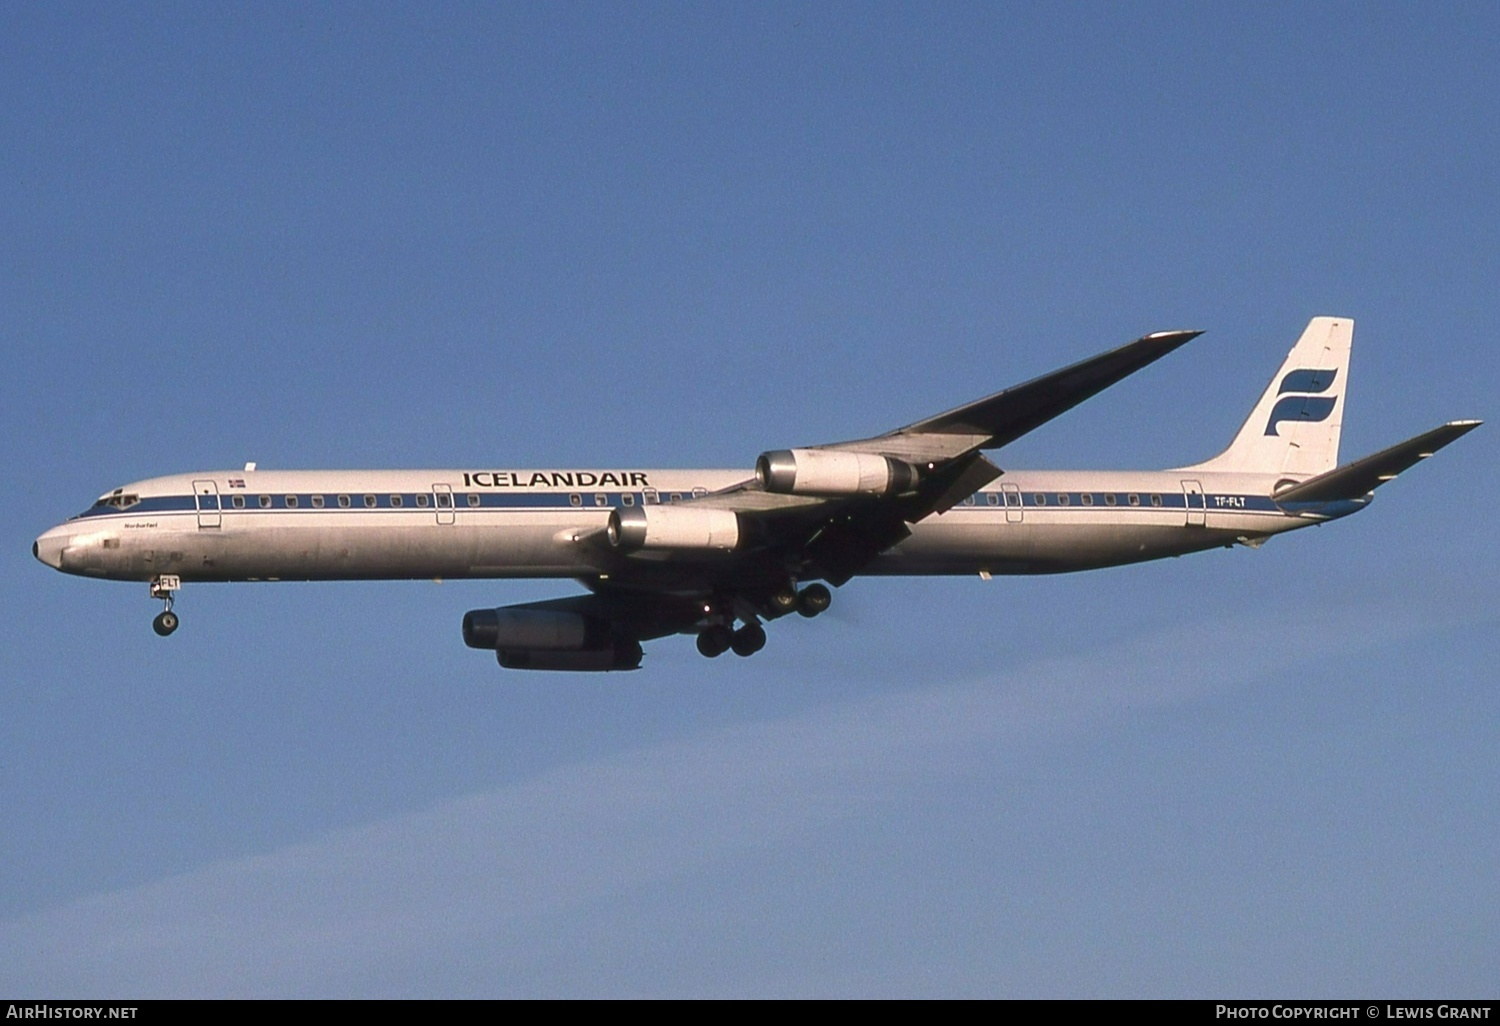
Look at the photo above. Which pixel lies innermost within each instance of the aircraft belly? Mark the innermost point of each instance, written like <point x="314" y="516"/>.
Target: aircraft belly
<point x="1039" y="548"/>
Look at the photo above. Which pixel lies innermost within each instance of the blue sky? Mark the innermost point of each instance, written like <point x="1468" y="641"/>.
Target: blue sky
<point x="677" y="235"/>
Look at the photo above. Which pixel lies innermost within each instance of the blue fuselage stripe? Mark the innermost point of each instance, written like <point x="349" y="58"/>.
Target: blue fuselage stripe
<point x="1030" y="501"/>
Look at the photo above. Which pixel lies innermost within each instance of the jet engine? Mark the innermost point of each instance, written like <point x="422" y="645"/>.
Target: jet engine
<point x="620" y="655"/>
<point x="550" y="639"/>
<point x="673" y="527"/>
<point x="826" y="472"/>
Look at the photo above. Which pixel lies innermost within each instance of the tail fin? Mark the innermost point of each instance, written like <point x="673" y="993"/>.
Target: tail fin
<point x="1294" y="429"/>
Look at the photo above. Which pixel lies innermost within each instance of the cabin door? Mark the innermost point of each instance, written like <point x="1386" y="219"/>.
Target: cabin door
<point x="206" y="496"/>
<point x="1012" y="495"/>
<point x="442" y="501"/>
<point x="1197" y="508"/>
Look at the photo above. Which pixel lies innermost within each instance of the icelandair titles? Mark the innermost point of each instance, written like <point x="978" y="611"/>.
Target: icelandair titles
<point x="555" y="479"/>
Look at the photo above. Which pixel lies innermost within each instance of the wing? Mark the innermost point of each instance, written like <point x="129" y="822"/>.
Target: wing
<point x="826" y="511"/>
<point x="999" y="419"/>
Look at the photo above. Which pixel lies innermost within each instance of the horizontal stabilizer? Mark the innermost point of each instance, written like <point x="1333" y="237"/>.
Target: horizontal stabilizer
<point x="1357" y="479"/>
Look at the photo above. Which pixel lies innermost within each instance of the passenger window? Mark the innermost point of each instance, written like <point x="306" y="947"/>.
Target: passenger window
<point x="1064" y="498"/>
<point x="1133" y="499"/>
<point x="444" y="500"/>
<point x="993" y="498"/>
<point x="1156" y="500"/>
<point x="395" y="502"/>
<point x="317" y="501"/>
<point x="699" y="493"/>
<point x="1039" y="499"/>
<point x="265" y="502"/>
<point x="291" y="502"/>
<point x="370" y="501"/>
<point x="1109" y="498"/>
<point x="628" y="498"/>
<point x="601" y="499"/>
<point x="575" y="499"/>
<point x="649" y="497"/>
<point x="473" y="498"/>
<point x="422" y="500"/>
<point x="239" y="502"/>
<point x="1086" y="499"/>
<point x="676" y="497"/>
<point x="344" y="501"/>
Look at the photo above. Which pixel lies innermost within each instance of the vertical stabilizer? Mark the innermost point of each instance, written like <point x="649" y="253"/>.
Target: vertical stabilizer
<point x="1294" y="429"/>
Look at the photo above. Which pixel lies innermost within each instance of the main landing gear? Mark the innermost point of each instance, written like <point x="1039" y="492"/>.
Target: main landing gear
<point x="718" y="638"/>
<point x="813" y="599"/>
<point x="715" y="640"/>
<point x="165" y="588"/>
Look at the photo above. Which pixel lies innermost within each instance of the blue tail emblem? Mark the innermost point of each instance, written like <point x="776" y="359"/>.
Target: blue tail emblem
<point x="1309" y="405"/>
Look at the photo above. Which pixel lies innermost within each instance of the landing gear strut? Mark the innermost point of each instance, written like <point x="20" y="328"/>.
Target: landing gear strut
<point x="165" y="588"/>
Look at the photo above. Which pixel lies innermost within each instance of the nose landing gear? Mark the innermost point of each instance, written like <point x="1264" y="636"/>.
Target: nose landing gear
<point x="165" y="588"/>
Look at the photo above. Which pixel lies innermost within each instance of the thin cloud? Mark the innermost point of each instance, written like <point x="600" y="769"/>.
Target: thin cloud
<point x="476" y="870"/>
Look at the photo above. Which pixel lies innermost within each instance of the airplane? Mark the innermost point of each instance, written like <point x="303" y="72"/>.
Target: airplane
<point x="719" y="553"/>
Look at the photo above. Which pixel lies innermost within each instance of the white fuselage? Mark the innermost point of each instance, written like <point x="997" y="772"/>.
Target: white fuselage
<point x="408" y="524"/>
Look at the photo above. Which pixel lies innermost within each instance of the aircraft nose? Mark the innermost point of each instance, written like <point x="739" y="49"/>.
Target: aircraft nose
<point x="49" y="548"/>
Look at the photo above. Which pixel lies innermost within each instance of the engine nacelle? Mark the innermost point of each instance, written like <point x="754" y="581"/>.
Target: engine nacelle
<point x="826" y="472"/>
<point x="619" y="655"/>
<point x="520" y="628"/>
<point x="550" y="639"/>
<point x="673" y="527"/>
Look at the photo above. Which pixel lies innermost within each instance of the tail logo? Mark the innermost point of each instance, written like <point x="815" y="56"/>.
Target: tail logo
<point x="1305" y="401"/>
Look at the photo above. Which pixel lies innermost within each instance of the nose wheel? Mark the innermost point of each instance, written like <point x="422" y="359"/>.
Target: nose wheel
<point x="165" y="588"/>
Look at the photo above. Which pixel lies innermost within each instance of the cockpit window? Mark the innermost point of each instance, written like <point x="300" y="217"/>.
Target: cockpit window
<point x="117" y="499"/>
